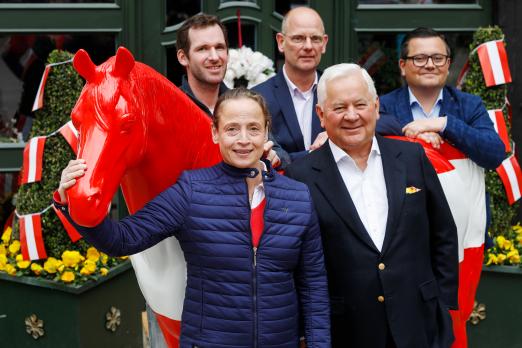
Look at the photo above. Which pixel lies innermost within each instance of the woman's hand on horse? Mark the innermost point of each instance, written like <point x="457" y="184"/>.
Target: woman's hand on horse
<point x="270" y="154"/>
<point x="74" y="169"/>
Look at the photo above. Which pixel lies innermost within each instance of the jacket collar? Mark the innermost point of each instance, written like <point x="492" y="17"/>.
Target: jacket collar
<point x="185" y="87"/>
<point x="268" y="175"/>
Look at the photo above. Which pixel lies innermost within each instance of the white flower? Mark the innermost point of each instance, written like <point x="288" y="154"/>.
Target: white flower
<point x="245" y="63"/>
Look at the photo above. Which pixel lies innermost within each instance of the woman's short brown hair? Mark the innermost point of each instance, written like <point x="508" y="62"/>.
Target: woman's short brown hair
<point x="240" y="93"/>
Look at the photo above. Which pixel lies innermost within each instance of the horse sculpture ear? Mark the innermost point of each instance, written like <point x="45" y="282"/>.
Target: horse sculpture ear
<point x="124" y="63"/>
<point x="84" y="65"/>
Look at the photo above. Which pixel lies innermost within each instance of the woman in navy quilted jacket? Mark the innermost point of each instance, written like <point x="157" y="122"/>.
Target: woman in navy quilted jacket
<point x="250" y="238"/>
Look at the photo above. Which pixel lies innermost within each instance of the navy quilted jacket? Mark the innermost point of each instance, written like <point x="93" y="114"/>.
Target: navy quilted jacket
<point x="229" y="302"/>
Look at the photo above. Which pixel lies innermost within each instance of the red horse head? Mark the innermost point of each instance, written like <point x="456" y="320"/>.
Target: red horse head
<point x="136" y="128"/>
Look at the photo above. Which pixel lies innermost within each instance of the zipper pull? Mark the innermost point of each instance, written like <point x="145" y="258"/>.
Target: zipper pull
<point x="255" y="256"/>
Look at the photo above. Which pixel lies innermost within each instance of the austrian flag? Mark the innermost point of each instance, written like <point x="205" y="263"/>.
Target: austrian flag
<point x="69" y="132"/>
<point x="33" y="160"/>
<point x="39" y="100"/>
<point x="31" y="239"/>
<point x="511" y="176"/>
<point x="494" y="63"/>
<point x="497" y="117"/>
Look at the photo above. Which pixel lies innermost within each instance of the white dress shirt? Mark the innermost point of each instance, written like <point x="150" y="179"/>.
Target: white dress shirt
<point x="367" y="189"/>
<point x="303" y="106"/>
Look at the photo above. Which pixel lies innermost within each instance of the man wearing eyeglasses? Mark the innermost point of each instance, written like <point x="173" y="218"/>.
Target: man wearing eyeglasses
<point x="291" y="95"/>
<point x="427" y="109"/>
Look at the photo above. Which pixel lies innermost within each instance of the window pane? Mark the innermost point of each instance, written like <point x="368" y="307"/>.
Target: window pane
<point x="248" y="34"/>
<point x="416" y="2"/>
<point x="379" y="54"/>
<point x="179" y="10"/>
<point x="22" y="62"/>
<point x="175" y="71"/>
<point x="284" y="6"/>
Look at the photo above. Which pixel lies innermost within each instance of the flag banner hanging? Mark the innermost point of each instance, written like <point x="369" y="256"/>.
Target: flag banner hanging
<point x="33" y="160"/>
<point x="462" y="75"/>
<point x="511" y="176"/>
<point x="39" y="100"/>
<point x="31" y="239"/>
<point x="497" y="117"/>
<point x="493" y="60"/>
<point x="69" y="228"/>
<point x="372" y="60"/>
<point x="69" y="132"/>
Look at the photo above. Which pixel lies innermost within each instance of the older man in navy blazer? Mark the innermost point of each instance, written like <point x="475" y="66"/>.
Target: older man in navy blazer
<point x="389" y="238"/>
<point x="291" y="94"/>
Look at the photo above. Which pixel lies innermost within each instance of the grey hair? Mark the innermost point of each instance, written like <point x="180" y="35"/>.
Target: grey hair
<point x="342" y="70"/>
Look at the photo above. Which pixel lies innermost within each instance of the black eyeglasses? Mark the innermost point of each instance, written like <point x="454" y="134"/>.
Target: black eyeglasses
<point x="301" y="39"/>
<point x="420" y="60"/>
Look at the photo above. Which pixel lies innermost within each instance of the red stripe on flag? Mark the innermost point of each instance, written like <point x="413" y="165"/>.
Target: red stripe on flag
<point x="504" y="61"/>
<point x="171" y="330"/>
<point x="485" y="63"/>
<point x="31" y="239"/>
<point x="69" y="228"/>
<point x="23" y="239"/>
<point x="33" y="160"/>
<point x="68" y="131"/>
<point x="511" y="176"/>
<point x="497" y="117"/>
<point x="39" y="100"/>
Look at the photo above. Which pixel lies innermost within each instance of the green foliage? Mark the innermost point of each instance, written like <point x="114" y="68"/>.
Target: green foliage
<point x="502" y="214"/>
<point x="61" y="92"/>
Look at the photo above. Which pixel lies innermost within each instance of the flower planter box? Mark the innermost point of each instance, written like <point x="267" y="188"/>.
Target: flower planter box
<point x="71" y="316"/>
<point x="499" y="290"/>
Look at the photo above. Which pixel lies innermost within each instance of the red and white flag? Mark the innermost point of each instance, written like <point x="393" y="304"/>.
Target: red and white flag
<point x="462" y="75"/>
<point x="31" y="239"/>
<point x="511" y="176"/>
<point x="494" y="62"/>
<point x="497" y="117"/>
<point x="33" y="160"/>
<point x="373" y="59"/>
<point x="69" y="132"/>
<point x="74" y="235"/>
<point x="39" y="100"/>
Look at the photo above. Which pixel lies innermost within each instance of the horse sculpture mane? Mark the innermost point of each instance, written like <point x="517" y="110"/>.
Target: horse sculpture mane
<point x="139" y="130"/>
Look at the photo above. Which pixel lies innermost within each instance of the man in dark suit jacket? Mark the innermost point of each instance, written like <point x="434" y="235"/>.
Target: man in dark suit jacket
<point x="389" y="238"/>
<point x="291" y="95"/>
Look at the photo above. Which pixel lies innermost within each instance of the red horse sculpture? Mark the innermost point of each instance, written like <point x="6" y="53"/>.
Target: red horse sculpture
<point x="139" y="131"/>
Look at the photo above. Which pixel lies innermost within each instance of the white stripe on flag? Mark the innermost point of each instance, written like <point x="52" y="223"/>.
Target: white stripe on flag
<point x="493" y="117"/>
<point x="29" y="237"/>
<point x="72" y="128"/>
<point x="512" y="179"/>
<point x="496" y="65"/>
<point x="33" y="150"/>
<point x="373" y="59"/>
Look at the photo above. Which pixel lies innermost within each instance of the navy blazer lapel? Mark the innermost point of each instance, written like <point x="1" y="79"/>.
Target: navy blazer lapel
<point x="330" y="183"/>
<point x="449" y="103"/>
<point x="316" y="123"/>
<point x="282" y="94"/>
<point x="395" y="179"/>
<point x="403" y="108"/>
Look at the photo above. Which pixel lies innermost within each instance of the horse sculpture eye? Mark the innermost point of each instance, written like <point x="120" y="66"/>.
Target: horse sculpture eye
<point x="127" y="122"/>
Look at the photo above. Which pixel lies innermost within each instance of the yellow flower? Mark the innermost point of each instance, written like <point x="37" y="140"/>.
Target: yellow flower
<point x="67" y="277"/>
<point x="6" y="236"/>
<point x="517" y="228"/>
<point x="104" y="271"/>
<point x="10" y="269"/>
<point x="89" y="267"/>
<point x="104" y="258"/>
<point x="124" y="257"/>
<point x="501" y="258"/>
<point x="21" y="263"/>
<point x="500" y="241"/>
<point x="14" y="248"/>
<point x="519" y="238"/>
<point x="71" y="258"/>
<point x="507" y="244"/>
<point x="51" y="265"/>
<point x="36" y="268"/>
<point x="515" y="259"/>
<point x="3" y="262"/>
<point x="3" y="250"/>
<point x="93" y="254"/>
<point x="492" y="259"/>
